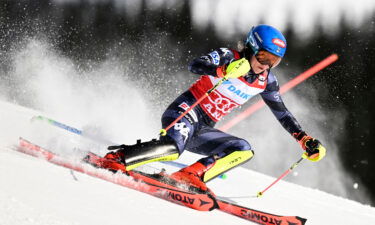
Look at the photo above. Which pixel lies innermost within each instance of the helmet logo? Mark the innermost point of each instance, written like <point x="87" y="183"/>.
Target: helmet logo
<point x="252" y="42"/>
<point x="279" y="42"/>
<point x="257" y="35"/>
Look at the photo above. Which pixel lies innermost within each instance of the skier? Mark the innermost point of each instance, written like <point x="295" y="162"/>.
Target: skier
<point x="264" y="48"/>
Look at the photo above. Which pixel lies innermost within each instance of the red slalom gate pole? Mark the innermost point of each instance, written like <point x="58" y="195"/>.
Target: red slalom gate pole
<point x="286" y="87"/>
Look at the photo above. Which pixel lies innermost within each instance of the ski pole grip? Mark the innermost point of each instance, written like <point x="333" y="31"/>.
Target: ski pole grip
<point x="163" y="132"/>
<point x="238" y="68"/>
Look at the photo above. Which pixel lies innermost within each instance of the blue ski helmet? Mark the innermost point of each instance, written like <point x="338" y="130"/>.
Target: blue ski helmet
<point x="267" y="38"/>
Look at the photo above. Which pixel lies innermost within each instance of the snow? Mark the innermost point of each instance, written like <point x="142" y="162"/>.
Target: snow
<point x="33" y="191"/>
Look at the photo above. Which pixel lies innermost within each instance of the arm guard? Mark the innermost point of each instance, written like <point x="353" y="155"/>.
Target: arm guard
<point x="207" y="64"/>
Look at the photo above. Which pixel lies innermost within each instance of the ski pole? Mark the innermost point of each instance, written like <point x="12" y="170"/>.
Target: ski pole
<point x="242" y="68"/>
<point x="71" y="129"/>
<point x="96" y="139"/>
<point x="260" y="194"/>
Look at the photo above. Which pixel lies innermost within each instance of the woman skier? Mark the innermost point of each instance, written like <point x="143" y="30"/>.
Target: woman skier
<point x="263" y="50"/>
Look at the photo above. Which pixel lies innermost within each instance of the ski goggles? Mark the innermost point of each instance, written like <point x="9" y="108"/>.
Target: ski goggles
<point x="267" y="58"/>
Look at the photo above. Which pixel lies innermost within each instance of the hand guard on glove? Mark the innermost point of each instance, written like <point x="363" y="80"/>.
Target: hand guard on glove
<point x="235" y="69"/>
<point x="314" y="150"/>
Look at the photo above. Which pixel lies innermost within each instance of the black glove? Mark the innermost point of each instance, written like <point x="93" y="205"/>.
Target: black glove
<point x="314" y="150"/>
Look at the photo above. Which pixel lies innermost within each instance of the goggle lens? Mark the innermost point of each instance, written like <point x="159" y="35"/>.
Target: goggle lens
<point x="266" y="58"/>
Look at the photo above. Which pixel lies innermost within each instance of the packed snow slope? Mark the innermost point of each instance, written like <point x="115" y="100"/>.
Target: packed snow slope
<point x="33" y="191"/>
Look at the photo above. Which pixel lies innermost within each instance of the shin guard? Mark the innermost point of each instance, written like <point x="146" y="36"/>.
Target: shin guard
<point x="147" y="152"/>
<point x="226" y="163"/>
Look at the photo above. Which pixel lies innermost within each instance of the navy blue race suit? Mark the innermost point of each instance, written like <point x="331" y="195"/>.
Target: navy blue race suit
<point x="195" y="132"/>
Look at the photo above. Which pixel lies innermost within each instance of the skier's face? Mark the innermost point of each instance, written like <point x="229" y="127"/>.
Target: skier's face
<point x="256" y="66"/>
<point x="264" y="60"/>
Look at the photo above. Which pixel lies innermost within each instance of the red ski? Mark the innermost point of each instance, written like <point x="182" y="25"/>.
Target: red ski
<point x="159" y="185"/>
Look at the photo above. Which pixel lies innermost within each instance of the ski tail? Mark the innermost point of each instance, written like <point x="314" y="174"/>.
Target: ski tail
<point x="258" y="216"/>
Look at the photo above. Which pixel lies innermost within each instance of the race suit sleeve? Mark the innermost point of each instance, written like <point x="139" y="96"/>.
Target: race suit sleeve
<point x="207" y="64"/>
<point x="272" y="98"/>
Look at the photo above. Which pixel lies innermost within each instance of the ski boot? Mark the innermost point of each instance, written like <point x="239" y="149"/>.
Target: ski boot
<point x="193" y="175"/>
<point x="202" y="171"/>
<point x="107" y="162"/>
